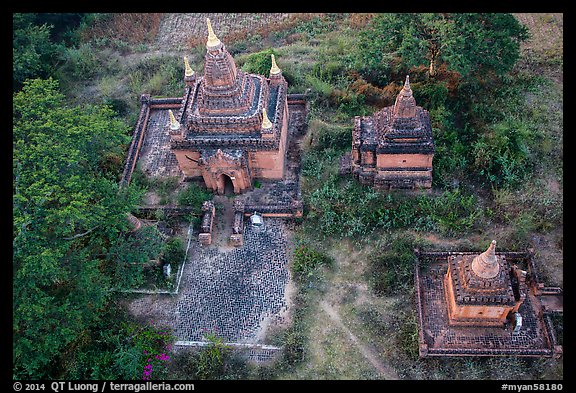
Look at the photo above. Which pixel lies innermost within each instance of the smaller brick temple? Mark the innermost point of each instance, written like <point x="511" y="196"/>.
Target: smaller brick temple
<point x="394" y="147"/>
<point x="232" y="126"/>
<point x="485" y="304"/>
<point x="482" y="290"/>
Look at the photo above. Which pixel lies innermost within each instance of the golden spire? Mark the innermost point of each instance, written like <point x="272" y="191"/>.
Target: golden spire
<point x="212" y="39"/>
<point x="486" y="264"/>
<point x="188" y="71"/>
<point x="266" y="123"/>
<point x="275" y="70"/>
<point x="174" y="125"/>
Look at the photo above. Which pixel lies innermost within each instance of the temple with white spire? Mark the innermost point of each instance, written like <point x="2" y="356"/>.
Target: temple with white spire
<point x="479" y="289"/>
<point x="394" y="148"/>
<point x="234" y="125"/>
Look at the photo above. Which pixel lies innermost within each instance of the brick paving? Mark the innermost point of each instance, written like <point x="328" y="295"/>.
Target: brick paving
<point x="156" y="158"/>
<point x="230" y="292"/>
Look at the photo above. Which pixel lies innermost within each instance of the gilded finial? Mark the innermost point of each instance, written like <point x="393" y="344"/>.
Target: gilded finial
<point x="188" y="70"/>
<point x="174" y="125"/>
<point x="212" y="39"/>
<point x="266" y="123"/>
<point x="275" y="69"/>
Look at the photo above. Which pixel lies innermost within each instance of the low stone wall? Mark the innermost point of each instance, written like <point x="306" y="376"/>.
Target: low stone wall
<point x="293" y="210"/>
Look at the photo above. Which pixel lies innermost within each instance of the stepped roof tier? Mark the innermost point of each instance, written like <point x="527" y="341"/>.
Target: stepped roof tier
<point x="228" y="108"/>
<point x="402" y="127"/>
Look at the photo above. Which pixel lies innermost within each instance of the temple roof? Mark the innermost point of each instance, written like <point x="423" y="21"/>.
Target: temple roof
<point x="481" y="279"/>
<point x="400" y="128"/>
<point x="229" y="108"/>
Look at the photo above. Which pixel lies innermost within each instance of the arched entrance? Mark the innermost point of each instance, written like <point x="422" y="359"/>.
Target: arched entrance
<point x="225" y="185"/>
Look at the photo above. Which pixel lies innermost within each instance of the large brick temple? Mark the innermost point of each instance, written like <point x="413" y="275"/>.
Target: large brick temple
<point x="231" y="127"/>
<point x="394" y="147"/>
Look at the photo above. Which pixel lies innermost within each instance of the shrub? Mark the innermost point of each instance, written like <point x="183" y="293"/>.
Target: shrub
<point x="307" y="261"/>
<point x="408" y="336"/>
<point x="194" y="196"/>
<point x="259" y="63"/>
<point x="323" y="136"/>
<point x="502" y="156"/>
<point x="174" y="251"/>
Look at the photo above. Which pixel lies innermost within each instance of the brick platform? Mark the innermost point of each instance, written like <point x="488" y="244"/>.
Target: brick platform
<point x="232" y="292"/>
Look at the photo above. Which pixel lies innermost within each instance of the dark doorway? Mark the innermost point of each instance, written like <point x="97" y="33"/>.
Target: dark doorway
<point x="228" y="185"/>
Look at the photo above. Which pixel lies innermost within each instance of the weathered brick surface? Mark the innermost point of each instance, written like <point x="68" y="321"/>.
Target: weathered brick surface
<point x="229" y="292"/>
<point x="232" y="292"/>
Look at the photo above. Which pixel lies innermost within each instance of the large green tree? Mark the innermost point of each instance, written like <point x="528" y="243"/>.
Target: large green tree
<point x="468" y="43"/>
<point x="68" y="212"/>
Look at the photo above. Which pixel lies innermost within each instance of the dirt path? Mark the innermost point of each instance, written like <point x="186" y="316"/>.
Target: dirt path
<point x="385" y="371"/>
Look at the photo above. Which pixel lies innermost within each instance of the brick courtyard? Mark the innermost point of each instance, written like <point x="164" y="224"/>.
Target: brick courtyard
<point x="233" y="292"/>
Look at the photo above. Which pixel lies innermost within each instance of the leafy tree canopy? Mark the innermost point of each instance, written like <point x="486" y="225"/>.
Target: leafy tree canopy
<point x="67" y="212"/>
<point x="468" y="43"/>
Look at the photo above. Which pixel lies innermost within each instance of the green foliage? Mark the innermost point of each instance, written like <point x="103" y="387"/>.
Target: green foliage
<point x="33" y="51"/>
<point x="392" y="265"/>
<point x="470" y="44"/>
<point x="323" y="136"/>
<point x="502" y="156"/>
<point x="118" y="350"/>
<point x="131" y="253"/>
<point x="348" y="209"/>
<point x="211" y="360"/>
<point x="66" y="212"/>
<point x="408" y="337"/>
<point x="194" y="195"/>
<point x="164" y="186"/>
<point x="81" y="62"/>
<point x="260" y="63"/>
<point x="307" y="261"/>
<point x="174" y="251"/>
<point x="215" y="361"/>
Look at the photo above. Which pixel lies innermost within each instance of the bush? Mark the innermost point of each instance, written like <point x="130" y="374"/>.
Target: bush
<point x="502" y="156"/>
<point x="174" y="251"/>
<point x="408" y="338"/>
<point x="307" y="261"/>
<point x="322" y="136"/>
<point x="259" y="63"/>
<point x="194" y="196"/>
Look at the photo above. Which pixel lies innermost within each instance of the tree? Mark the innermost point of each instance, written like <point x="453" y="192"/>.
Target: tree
<point x="67" y="212"/>
<point x="33" y="52"/>
<point x="470" y="44"/>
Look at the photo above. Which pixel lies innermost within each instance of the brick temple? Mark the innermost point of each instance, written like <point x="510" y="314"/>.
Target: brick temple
<point x="482" y="290"/>
<point x="232" y="126"/>
<point x="394" y="147"/>
<point x="487" y="304"/>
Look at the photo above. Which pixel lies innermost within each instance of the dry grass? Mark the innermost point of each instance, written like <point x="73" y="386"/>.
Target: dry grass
<point x="189" y="30"/>
<point x="133" y="28"/>
<point x="543" y="52"/>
